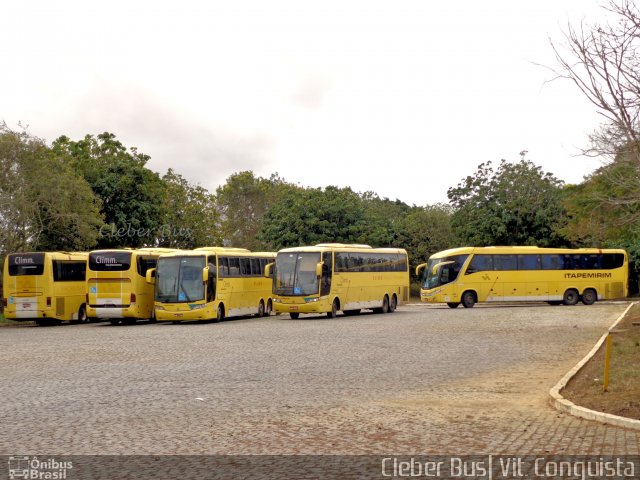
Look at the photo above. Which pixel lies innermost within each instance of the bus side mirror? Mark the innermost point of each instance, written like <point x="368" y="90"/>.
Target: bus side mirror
<point x="267" y="270"/>
<point x="150" y="276"/>
<point x="319" y="269"/>
<point x="419" y="268"/>
<point x="205" y="274"/>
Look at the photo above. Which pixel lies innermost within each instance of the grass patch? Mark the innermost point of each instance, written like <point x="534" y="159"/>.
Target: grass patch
<point x="623" y="395"/>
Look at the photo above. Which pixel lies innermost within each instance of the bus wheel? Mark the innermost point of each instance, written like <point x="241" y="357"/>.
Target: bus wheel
<point x="267" y="312"/>
<point x="220" y="315"/>
<point x="453" y="304"/>
<point x="335" y="306"/>
<point x="82" y="315"/>
<point x="393" y="304"/>
<point x="385" y="304"/>
<point x="260" y="309"/>
<point x="570" y="297"/>
<point x="589" y="296"/>
<point x="468" y="299"/>
<point x="294" y="315"/>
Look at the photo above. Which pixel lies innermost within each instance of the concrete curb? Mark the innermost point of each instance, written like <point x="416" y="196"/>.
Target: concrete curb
<point x="564" y="405"/>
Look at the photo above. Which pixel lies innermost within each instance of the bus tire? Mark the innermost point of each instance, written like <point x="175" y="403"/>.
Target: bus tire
<point x="335" y="306"/>
<point x="393" y="303"/>
<point x="385" y="305"/>
<point x="220" y="313"/>
<point x="589" y="296"/>
<point x="453" y="304"/>
<point x="269" y="309"/>
<point x="82" y="315"/>
<point x="570" y="297"/>
<point x="260" y="309"/>
<point x="294" y="315"/>
<point x="468" y="299"/>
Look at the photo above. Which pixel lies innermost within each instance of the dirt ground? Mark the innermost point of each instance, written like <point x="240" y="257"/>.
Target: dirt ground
<point x="623" y="394"/>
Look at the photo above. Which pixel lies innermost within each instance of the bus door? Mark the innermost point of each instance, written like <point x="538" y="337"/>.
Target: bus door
<point x="481" y="277"/>
<point x="327" y="273"/>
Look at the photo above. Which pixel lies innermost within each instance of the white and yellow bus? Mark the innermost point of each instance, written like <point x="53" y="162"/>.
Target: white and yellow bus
<point x="48" y="287"/>
<point x="519" y="274"/>
<point x="116" y="286"/>
<point x="211" y="283"/>
<point x="330" y="277"/>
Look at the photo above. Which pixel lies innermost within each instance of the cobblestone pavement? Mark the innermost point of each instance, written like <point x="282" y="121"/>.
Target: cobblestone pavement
<point x="424" y="380"/>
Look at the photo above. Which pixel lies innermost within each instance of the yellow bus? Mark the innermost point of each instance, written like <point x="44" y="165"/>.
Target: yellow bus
<point x="116" y="284"/>
<point x="330" y="277"/>
<point x="48" y="287"/>
<point x="520" y="274"/>
<point x="211" y="283"/>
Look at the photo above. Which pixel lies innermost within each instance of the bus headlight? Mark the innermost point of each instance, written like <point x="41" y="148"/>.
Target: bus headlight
<point x="196" y="307"/>
<point x="160" y="307"/>
<point x="276" y="300"/>
<point x="311" y="300"/>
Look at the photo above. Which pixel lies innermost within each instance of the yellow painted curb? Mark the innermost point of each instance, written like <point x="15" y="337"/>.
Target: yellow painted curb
<point x="564" y="405"/>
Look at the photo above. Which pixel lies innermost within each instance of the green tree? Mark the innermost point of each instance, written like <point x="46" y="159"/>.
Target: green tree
<point x="242" y="203"/>
<point x="425" y="231"/>
<point x="191" y="218"/>
<point x="44" y="204"/>
<point x="382" y="218"/>
<point x="132" y="196"/>
<point x="309" y="216"/>
<point x="516" y="204"/>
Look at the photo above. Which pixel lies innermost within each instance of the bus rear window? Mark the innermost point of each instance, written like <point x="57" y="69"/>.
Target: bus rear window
<point x="109" y="261"/>
<point x="26" y="264"/>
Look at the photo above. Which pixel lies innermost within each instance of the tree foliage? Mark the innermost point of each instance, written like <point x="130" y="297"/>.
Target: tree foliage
<point x="515" y="204"/>
<point x="191" y="218"/>
<point x="308" y="216"/>
<point x="132" y="195"/>
<point x="242" y="203"/>
<point x="44" y="204"/>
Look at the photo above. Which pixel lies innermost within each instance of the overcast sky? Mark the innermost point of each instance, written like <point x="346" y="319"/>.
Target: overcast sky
<point x="403" y="98"/>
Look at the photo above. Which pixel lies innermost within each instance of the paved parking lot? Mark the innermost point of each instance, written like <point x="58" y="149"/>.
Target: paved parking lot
<point x="425" y="380"/>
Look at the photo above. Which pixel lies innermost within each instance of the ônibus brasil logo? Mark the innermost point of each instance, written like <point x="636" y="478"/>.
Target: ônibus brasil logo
<point x="25" y="467"/>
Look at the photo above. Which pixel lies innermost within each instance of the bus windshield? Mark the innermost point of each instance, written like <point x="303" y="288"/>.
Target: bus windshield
<point x="295" y="273"/>
<point x="447" y="273"/>
<point x="179" y="279"/>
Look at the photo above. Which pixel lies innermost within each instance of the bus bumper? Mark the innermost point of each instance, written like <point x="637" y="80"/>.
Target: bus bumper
<point x="319" y="306"/>
<point x="180" y="314"/>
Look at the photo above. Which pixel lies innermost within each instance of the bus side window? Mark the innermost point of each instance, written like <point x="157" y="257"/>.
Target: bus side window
<point x="480" y="263"/>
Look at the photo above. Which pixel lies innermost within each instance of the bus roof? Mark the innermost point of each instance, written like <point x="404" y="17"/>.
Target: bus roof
<point x="522" y="250"/>
<point x="154" y="251"/>
<point x="59" y="255"/>
<point x="240" y="252"/>
<point x="341" y="247"/>
<point x="221" y="249"/>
